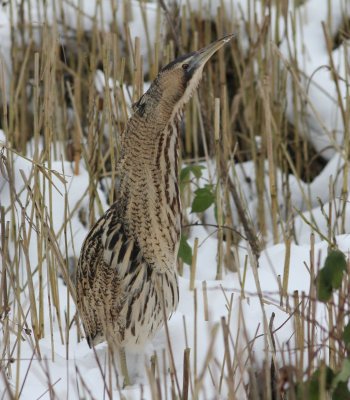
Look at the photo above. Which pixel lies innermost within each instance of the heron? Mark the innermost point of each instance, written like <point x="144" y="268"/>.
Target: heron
<point x="126" y="280"/>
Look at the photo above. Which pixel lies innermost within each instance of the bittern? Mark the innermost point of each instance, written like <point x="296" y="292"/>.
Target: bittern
<point x="126" y="277"/>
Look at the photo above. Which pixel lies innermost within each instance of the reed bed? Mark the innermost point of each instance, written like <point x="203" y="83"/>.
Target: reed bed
<point x="59" y="124"/>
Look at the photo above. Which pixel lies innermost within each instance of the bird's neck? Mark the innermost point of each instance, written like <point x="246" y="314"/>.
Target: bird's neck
<point x="149" y="191"/>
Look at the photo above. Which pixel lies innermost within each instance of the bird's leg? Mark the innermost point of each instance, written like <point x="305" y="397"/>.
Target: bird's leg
<point x="124" y="367"/>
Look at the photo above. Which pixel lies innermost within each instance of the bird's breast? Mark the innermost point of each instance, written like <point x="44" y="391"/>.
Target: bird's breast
<point x="150" y="193"/>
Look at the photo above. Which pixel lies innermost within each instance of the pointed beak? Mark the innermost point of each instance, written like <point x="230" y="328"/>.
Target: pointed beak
<point x="201" y="56"/>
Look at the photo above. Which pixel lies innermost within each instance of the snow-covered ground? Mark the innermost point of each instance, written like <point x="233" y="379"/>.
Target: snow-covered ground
<point x="67" y="367"/>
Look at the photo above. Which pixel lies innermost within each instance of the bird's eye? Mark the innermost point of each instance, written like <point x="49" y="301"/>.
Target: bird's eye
<point x="185" y="66"/>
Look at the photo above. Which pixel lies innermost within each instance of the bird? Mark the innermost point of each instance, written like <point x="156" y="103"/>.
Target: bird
<point x="126" y="279"/>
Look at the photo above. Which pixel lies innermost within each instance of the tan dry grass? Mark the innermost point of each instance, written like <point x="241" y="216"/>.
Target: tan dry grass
<point x="243" y="94"/>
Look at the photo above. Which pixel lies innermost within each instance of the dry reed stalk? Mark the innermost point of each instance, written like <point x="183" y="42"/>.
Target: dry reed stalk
<point x="286" y="267"/>
<point x="203" y="137"/>
<point x="186" y="374"/>
<point x="173" y="372"/>
<point x="195" y="332"/>
<point x="242" y="115"/>
<point x="138" y="78"/>
<point x="209" y="356"/>
<point x="218" y="190"/>
<point x="270" y="129"/>
<point x="205" y="300"/>
<point x="298" y="326"/>
<point x="194" y="129"/>
<point x="226" y="331"/>
<point x="193" y="265"/>
<point x="156" y="394"/>
<point x="242" y="281"/>
<point x="247" y="224"/>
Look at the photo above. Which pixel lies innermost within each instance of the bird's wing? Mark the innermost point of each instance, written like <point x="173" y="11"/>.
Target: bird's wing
<point x="110" y="271"/>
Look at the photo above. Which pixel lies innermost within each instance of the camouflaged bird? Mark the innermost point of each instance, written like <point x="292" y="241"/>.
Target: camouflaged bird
<point x="126" y="278"/>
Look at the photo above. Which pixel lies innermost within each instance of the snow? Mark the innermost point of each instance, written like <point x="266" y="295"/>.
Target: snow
<point x="5" y="49"/>
<point x="81" y="360"/>
<point x="321" y="110"/>
<point x="116" y="89"/>
<point x="69" y="364"/>
<point x="271" y="263"/>
<point x="317" y="192"/>
<point x="307" y="47"/>
<point x="92" y="14"/>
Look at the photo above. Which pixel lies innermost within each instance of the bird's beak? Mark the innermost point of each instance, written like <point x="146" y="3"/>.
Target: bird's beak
<point x="201" y="56"/>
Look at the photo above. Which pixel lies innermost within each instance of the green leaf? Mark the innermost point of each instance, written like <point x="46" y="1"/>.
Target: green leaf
<point x="324" y="286"/>
<point x="344" y="374"/>
<point x="335" y="384"/>
<point x="185" y="251"/>
<point x="330" y="276"/>
<point x="196" y="170"/>
<point x="314" y="383"/>
<point x="185" y="174"/>
<point x="336" y="262"/>
<point x="346" y="335"/>
<point x="341" y="392"/>
<point x="204" y="198"/>
<point x="340" y="382"/>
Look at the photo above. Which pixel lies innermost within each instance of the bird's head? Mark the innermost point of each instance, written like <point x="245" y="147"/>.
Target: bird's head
<point x="180" y="78"/>
<point x="177" y="81"/>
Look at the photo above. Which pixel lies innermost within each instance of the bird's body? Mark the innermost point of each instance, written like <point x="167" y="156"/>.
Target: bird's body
<point x="130" y="253"/>
<point x="126" y="277"/>
<point x="122" y="294"/>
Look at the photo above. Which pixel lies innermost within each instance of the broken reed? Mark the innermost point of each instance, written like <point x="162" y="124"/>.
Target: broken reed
<point x="252" y="126"/>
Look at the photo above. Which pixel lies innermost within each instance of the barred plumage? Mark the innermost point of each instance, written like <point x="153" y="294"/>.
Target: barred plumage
<point x="127" y="266"/>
